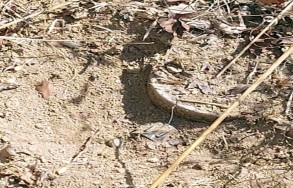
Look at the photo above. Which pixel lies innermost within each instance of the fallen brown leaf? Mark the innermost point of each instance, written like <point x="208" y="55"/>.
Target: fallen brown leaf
<point x="174" y="26"/>
<point x="45" y="89"/>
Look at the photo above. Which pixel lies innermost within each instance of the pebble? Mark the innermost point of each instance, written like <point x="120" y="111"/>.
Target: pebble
<point x="61" y="170"/>
<point x="151" y="145"/>
<point x="133" y="70"/>
<point x="129" y="116"/>
<point x="18" y="68"/>
<point x="5" y="139"/>
<point x="115" y="143"/>
<point x="11" y="80"/>
<point x="153" y="160"/>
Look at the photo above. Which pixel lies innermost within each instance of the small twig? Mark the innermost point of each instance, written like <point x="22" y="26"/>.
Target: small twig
<point x="225" y="141"/>
<point x="202" y="102"/>
<point x="84" y="147"/>
<point x="151" y="27"/>
<point x="219" y="120"/>
<point x="256" y="38"/>
<point x="11" y="10"/>
<point x="288" y="106"/>
<point x="104" y="28"/>
<point x="137" y="43"/>
<point x="7" y="87"/>
<point x="48" y="40"/>
<point x="172" y="114"/>
<point x="227" y="6"/>
<point x="249" y="77"/>
<point x="33" y="15"/>
<point x="52" y="27"/>
<point x="21" y="19"/>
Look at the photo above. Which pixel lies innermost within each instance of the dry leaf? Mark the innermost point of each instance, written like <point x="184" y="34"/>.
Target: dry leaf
<point x="180" y="9"/>
<point x="200" y="24"/>
<point x="45" y="89"/>
<point x="174" y="26"/>
<point x="152" y="26"/>
<point x="167" y="24"/>
<point x="202" y="86"/>
<point x="228" y="29"/>
<point x="184" y="25"/>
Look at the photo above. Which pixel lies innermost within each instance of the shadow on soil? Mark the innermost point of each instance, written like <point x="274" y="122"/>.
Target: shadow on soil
<point x="136" y="102"/>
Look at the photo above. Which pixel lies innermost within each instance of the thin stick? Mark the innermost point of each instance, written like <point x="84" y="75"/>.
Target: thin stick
<point x="256" y="38"/>
<point x="48" y="40"/>
<point x="214" y="125"/>
<point x="21" y="19"/>
<point x="249" y="77"/>
<point x="33" y="15"/>
<point x="172" y="114"/>
<point x="288" y="106"/>
<point x="9" y="87"/>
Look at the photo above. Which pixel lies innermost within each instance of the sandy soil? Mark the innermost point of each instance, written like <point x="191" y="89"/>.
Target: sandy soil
<point x="90" y="132"/>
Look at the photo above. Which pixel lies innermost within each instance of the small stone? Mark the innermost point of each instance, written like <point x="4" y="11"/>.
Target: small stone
<point x="94" y="76"/>
<point x="121" y="170"/>
<point x="115" y="143"/>
<point x="39" y="126"/>
<point x="211" y="39"/>
<point x="42" y="159"/>
<point x="18" y="68"/>
<point x="6" y="153"/>
<point x="11" y="80"/>
<point x="197" y="167"/>
<point x="151" y="145"/>
<point x="129" y="116"/>
<point x="61" y="171"/>
<point x="153" y="160"/>
<point x="282" y="155"/>
<point x="5" y="139"/>
<point x="133" y="70"/>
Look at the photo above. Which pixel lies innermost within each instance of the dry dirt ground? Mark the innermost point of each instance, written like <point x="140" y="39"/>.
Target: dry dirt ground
<point x="89" y="132"/>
